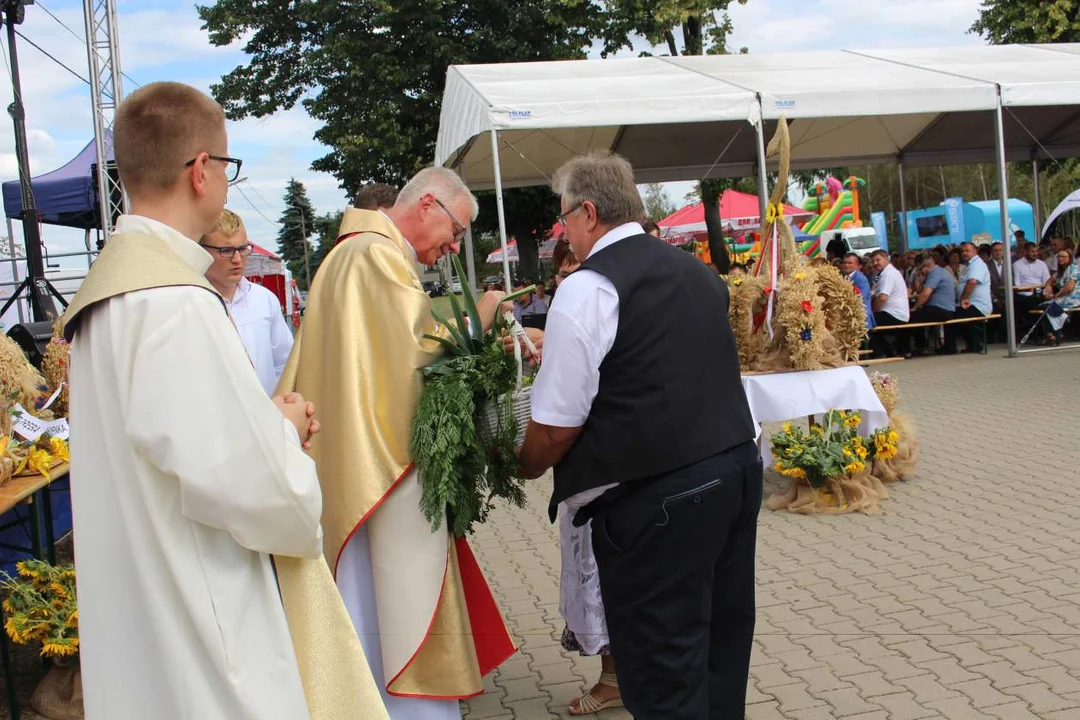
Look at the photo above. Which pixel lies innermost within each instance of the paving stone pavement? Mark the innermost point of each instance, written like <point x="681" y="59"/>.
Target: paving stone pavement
<point x="962" y="601"/>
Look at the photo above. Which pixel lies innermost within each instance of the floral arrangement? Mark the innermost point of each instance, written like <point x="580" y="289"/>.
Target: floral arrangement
<point x="463" y="465"/>
<point x="829" y="465"/>
<point x="902" y="463"/>
<point x="41" y="607"/>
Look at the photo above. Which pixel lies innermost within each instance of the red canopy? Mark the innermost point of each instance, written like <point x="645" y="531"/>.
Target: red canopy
<point x="738" y="211"/>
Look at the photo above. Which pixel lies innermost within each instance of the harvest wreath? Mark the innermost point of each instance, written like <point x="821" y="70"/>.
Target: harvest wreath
<point x="468" y="421"/>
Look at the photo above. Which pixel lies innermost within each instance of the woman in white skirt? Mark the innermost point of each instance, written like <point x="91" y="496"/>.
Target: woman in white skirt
<point x="580" y="603"/>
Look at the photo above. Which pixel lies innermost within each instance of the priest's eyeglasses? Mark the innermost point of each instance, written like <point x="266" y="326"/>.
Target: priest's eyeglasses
<point x="229" y="251"/>
<point x="232" y="165"/>
<point x="459" y="227"/>
<point x="568" y="213"/>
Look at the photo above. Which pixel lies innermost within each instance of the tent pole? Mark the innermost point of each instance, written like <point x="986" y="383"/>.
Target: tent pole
<point x="499" y="205"/>
<point x="762" y="176"/>
<point x="903" y="206"/>
<point x="1038" y="200"/>
<point x="1003" y="190"/>
<point x="470" y="252"/>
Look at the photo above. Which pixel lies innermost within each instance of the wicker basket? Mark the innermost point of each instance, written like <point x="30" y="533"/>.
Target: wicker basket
<point x="519" y="399"/>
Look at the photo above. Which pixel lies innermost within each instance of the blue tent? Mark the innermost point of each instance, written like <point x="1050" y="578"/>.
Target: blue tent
<point x="66" y="196"/>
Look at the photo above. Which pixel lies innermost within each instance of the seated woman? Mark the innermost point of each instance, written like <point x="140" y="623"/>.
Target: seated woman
<point x="1062" y="288"/>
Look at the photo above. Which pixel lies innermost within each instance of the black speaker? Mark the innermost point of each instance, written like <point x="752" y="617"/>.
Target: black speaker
<point x="33" y="338"/>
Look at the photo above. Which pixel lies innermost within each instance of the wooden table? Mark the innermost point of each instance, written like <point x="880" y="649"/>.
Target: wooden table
<point x="32" y="490"/>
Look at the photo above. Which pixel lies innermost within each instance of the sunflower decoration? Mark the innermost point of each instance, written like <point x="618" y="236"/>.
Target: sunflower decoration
<point x="902" y="444"/>
<point x="40" y="606"/>
<point x="54" y="365"/>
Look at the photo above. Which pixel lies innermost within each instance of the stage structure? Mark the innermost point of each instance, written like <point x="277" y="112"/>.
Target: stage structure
<point x="106" y="92"/>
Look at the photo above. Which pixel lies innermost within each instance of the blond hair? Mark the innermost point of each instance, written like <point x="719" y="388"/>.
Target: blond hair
<point x="158" y="128"/>
<point x="228" y="224"/>
<point x="607" y="181"/>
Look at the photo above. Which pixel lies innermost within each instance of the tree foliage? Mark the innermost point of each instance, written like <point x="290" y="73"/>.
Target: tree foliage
<point x="297" y="218"/>
<point x="326" y="230"/>
<point x="702" y="26"/>
<point x="373" y="72"/>
<point x="1028" y="21"/>
<point x="657" y="203"/>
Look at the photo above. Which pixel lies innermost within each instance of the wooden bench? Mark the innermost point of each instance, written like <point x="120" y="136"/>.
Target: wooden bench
<point x="942" y="323"/>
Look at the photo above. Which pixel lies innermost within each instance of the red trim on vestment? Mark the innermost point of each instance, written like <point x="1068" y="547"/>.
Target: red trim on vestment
<point x="490" y="636"/>
<point x="368" y="514"/>
<point x="493" y="643"/>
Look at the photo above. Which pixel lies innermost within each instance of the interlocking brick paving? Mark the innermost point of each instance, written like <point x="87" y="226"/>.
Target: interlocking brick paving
<point x="962" y="601"/>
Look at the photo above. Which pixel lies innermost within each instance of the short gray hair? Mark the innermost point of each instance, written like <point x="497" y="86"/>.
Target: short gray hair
<point x="443" y="183"/>
<point x="604" y="179"/>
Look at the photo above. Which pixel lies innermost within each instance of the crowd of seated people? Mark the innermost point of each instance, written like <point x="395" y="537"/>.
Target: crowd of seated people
<point x="964" y="282"/>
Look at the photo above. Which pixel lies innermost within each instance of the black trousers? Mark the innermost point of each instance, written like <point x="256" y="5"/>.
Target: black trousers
<point x="676" y="566"/>
<point x="928" y="313"/>
<point x="879" y="342"/>
<point x="972" y="332"/>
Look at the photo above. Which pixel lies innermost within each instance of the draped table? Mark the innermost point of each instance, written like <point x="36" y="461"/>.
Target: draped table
<point x="779" y="396"/>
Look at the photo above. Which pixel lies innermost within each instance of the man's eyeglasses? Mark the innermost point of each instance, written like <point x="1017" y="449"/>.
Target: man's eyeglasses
<point x="232" y="165"/>
<point x="568" y="213"/>
<point x="229" y="251"/>
<point x="459" y="227"/>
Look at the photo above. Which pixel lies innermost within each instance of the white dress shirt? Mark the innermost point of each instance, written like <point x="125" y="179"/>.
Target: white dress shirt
<point x="581" y="326"/>
<point x="1033" y="272"/>
<point x="257" y="314"/>
<point x="891" y="283"/>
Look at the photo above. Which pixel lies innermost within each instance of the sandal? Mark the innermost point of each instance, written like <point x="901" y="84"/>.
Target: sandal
<point x="588" y="705"/>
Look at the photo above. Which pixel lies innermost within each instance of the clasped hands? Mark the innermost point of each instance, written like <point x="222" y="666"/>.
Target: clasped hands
<point x="301" y="414"/>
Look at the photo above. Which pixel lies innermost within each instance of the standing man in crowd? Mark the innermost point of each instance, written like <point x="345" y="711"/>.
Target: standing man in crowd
<point x="189" y="475"/>
<point x="890" y="300"/>
<point x="974" y="299"/>
<point x="674" y="517"/>
<point x="851" y="271"/>
<point x="415" y="595"/>
<point x="255" y="310"/>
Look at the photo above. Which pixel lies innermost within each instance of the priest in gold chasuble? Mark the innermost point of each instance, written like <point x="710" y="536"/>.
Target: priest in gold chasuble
<point x="418" y="600"/>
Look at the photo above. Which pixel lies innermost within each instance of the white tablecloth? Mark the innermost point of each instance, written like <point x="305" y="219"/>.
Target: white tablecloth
<point x="775" y="397"/>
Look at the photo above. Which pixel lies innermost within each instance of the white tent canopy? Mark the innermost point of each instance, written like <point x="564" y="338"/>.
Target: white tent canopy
<point x="685" y="118"/>
<point x="690" y="118"/>
<point x="1072" y="202"/>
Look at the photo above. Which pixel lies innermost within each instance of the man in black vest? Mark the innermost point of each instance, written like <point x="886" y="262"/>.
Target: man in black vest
<point x="640" y="409"/>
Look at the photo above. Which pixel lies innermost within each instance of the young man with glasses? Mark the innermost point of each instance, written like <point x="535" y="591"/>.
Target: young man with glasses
<point x="255" y="310"/>
<point x="190" y="477"/>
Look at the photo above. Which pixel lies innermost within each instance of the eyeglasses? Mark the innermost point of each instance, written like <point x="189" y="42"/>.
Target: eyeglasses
<point x="459" y="227"/>
<point x="229" y="251"/>
<point x="568" y="213"/>
<point x="232" y="165"/>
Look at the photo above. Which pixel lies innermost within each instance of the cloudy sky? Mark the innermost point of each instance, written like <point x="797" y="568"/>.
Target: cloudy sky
<point x="162" y="40"/>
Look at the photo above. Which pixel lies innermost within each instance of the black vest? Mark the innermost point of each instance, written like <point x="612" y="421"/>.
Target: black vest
<point x="670" y="393"/>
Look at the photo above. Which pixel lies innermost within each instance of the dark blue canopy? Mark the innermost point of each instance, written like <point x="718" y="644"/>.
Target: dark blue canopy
<point x="67" y="196"/>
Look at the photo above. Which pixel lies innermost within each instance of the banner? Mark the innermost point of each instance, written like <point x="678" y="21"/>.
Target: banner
<point x="954" y="216"/>
<point x="878" y="221"/>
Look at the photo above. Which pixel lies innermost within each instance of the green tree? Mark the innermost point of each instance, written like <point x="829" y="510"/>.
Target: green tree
<point x="1028" y="21"/>
<point x="657" y="203"/>
<point x="297" y="224"/>
<point x="373" y="73"/>
<point x="704" y="27"/>
<point x="326" y="229"/>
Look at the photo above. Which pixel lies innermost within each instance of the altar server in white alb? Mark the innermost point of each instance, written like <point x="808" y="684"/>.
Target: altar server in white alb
<point x="187" y="475"/>
<point x="255" y="310"/>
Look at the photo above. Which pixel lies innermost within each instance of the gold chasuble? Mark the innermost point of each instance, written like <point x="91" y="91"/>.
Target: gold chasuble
<point x="359" y="357"/>
<point x="337" y="681"/>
